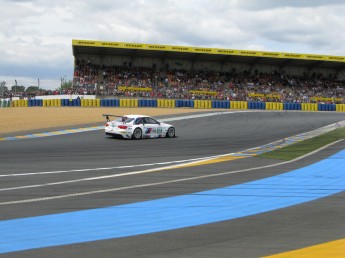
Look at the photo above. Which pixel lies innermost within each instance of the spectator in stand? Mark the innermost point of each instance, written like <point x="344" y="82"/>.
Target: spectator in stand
<point x="178" y="84"/>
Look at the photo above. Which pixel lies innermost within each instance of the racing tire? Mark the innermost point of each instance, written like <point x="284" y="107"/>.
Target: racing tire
<point x="170" y="132"/>
<point x="137" y="134"/>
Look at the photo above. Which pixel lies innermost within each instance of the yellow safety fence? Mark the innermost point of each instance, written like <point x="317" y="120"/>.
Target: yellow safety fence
<point x="129" y="102"/>
<point x="51" y="103"/>
<point x="309" y="107"/>
<point x="166" y="103"/>
<point x="90" y="102"/>
<point x="340" y="108"/>
<point x="19" y="103"/>
<point x="274" y="106"/>
<point x="203" y="104"/>
<point x="238" y="105"/>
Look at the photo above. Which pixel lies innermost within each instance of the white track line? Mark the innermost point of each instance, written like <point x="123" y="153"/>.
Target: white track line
<point x="163" y="182"/>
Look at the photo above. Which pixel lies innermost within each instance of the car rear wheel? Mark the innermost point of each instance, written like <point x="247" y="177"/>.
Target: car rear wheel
<point x="171" y="132"/>
<point x="137" y="134"/>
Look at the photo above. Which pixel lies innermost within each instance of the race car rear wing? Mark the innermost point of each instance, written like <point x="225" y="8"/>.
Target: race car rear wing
<point x="108" y="115"/>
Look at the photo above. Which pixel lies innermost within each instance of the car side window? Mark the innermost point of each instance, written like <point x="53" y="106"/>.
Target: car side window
<point x="138" y="121"/>
<point x="149" y="120"/>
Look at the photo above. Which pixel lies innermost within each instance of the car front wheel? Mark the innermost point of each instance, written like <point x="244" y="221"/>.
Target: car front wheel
<point x="137" y="134"/>
<point x="171" y="132"/>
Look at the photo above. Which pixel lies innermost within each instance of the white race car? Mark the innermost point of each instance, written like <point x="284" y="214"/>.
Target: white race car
<point x="137" y="127"/>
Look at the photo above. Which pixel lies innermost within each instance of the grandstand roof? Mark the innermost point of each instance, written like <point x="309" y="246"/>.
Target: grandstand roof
<point x="206" y="54"/>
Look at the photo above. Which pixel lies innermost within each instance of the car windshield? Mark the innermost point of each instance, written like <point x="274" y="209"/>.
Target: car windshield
<point x="125" y="119"/>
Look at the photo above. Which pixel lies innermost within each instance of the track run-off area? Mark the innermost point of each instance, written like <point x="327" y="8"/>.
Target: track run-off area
<point x="76" y="192"/>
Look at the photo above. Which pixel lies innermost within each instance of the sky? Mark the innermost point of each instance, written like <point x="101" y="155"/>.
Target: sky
<point x="36" y="35"/>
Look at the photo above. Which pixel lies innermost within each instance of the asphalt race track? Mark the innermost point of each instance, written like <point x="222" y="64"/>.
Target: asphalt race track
<point x="87" y="172"/>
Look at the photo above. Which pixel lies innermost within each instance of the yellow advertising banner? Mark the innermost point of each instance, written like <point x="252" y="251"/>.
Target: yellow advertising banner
<point x="203" y="92"/>
<point x="275" y="96"/>
<point x="126" y="88"/>
<point x="205" y="50"/>
<point x="325" y="99"/>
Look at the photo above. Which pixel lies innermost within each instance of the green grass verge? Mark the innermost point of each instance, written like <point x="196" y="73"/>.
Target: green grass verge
<point x="304" y="147"/>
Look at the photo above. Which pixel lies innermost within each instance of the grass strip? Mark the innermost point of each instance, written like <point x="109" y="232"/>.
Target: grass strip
<point x="301" y="148"/>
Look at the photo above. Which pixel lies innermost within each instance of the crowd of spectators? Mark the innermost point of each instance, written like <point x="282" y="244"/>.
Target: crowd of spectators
<point x="149" y="82"/>
<point x="128" y="81"/>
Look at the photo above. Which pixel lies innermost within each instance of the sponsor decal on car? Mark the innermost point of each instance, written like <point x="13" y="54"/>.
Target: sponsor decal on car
<point x="148" y="130"/>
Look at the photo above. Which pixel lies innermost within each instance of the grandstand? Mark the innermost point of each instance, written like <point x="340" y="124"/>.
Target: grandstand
<point x="183" y="72"/>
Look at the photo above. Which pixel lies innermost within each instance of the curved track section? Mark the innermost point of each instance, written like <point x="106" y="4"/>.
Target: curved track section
<point x="77" y="172"/>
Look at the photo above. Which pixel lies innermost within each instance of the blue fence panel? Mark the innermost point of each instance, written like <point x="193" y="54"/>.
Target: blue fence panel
<point x="140" y="103"/>
<point x="227" y="104"/>
<point x="191" y="103"/>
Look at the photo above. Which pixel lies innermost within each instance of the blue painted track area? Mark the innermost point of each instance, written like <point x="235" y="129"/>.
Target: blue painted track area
<point x="318" y="180"/>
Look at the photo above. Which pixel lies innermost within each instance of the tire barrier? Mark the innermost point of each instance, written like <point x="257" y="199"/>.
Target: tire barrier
<point x="128" y="103"/>
<point x="172" y="103"/>
<point x="205" y="104"/>
<point x="309" y="107"/>
<point x="35" y="103"/>
<point x="184" y="103"/>
<point x="166" y="103"/>
<point x="220" y="104"/>
<point x="274" y="106"/>
<point x="340" y="108"/>
<point x="292" y="106"/>
<point x="4" y="103"/>
<point x="256" y="105"/>
<point x="19" y="103"/>
<point x="148" y="103"/>
<point x="238" y="105"/>
<point x="110" y="103"/>
<point x="326" y="107"/>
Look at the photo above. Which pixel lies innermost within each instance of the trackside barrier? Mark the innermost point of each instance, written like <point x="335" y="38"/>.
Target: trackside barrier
<point x="256" y="105"/>
<point x="238" y="105"/>
<point x="292" y="106"/>
<point x="340" y="107"/>
<point x="147" y="103"/>
<point x="220" y="104"/>
<point x="326" y="107"/>
<point x="171" y="103"/>
<point x="309" y="107"/>
<point x="274" y="106"/>
<point x="4" y="103"/>
<point x="184" y="103"/>
<point x="165" y="103"/>
<point x="110" y="103"/>
<point x="19" y="103"/>
<point x="36" y="102"/>
<point x="203" y="104"/>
